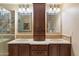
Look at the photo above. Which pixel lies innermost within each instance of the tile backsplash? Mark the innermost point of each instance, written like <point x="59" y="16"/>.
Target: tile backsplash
<point x="31" y="36"/>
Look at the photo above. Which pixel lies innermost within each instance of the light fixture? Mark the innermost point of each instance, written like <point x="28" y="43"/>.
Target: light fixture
<point x="53" y="9"/>
<point x="24" y="9"/>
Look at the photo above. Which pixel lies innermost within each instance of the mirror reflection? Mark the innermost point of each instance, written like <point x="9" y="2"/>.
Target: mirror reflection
<point x="24" y="18"/>
<point x="6" y="21"/>
<point x="53" y="18"/>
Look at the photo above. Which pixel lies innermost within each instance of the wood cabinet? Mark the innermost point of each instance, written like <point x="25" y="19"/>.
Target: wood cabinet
<point x="65" y="49"/>
<point x="60" y="50"/>
<point x="39" y="21"/>
<point x="23" y="50"/>
<point x="39" y="50"/>
<point x="13" y="49"/>
<point x="18" y="49"/>
<point x="53" y="50"/>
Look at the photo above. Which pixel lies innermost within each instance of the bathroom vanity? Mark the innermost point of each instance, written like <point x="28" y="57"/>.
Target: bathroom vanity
<point x="33" y="30"/>
<point x="45" y="22"/>
<point x="49" y="47"/>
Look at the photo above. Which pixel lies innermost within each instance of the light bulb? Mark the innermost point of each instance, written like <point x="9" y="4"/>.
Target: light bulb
<point x="50" y="10"/>
<point x="54" y="9"/>
<point x="58" y="10"/>
<point x="23" y="9"/>
<point x="19" y="10"/>
<point x="28" y="10"/>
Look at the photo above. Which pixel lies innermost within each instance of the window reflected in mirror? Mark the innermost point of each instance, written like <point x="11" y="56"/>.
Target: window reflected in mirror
<point x="7" y="23"/>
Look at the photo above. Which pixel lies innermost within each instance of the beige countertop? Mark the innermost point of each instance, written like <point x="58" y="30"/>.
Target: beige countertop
<point x="31" y="41"/>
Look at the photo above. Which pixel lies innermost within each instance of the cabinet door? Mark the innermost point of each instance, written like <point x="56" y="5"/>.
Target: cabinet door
<point x="18" y="49"/>
<point x="65" y="49"/>
<point x="13" y="49"/>
<point x="53" y="50"/>
<point x="23" y="50"/>
<point x="39" y="20"/>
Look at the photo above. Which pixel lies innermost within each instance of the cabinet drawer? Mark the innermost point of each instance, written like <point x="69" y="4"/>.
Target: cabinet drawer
<point x="39" y="47"/>
<point x="39" y="53"/>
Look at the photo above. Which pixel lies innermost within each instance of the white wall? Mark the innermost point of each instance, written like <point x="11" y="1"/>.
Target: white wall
<point x="70" y="25"/>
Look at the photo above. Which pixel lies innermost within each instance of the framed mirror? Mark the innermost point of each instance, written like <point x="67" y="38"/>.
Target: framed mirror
<point x="24" y="18"/>
<point x="7" y="21"/>
<point x="53" y="14"/>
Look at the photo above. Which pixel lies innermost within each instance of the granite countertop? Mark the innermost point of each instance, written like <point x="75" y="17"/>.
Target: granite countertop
<point x="31" y="41"/>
